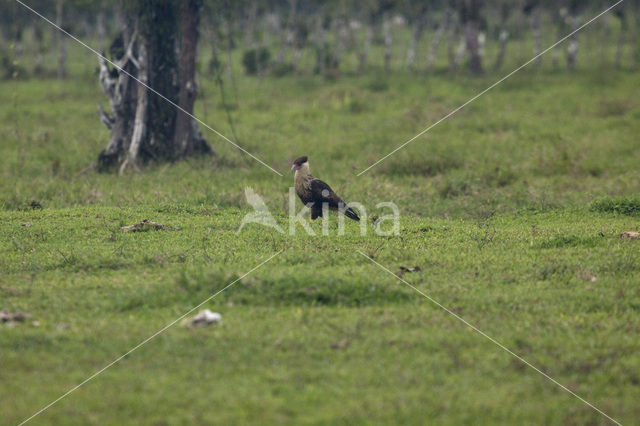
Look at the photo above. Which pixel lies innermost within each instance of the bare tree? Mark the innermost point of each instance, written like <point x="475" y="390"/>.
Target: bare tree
<point x="144" y="125"/>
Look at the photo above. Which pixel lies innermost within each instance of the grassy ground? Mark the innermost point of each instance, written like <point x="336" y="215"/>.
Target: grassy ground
<point x="506" y="208"/>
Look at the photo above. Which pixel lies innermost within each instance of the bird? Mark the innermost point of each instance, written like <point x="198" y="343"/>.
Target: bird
<point x="313" y="192"/>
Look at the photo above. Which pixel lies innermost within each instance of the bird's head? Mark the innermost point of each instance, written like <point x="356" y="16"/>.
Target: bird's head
<point x="300" y="163"/>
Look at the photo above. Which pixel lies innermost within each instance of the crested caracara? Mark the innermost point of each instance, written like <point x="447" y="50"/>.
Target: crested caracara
<point x="314" y="192"/>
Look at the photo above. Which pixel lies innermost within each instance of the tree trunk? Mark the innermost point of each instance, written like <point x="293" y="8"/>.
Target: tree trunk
<point x="321" y="46"/>
<point x="503" y="38"/>
<point x="366" y="46"/>
<point x="119" y="88"/>
<point x="437" y="39"/>
<point x="621" y="37"/>
<point x="250" y="32"/>
<point x="287" y="31"/>
<point x="183" y="139"/>
<point x="537" y="36"/>
<point x="560" y="28"/>
<point x="459" y="52"/>
<point x="38" y="35"/>
<point x="470" y="21"/>
<point x="416" y="33"/>
<point x="139" y="122"/>
<point x="340" y="25"/>
<point x="451" y="49"/>
<point x="101" y="29"/>
<point x="230" y="44"/>
<point x="61" y="41"/>
<point x="572" y="48"/>
<point x="388" y="42"/>
<point x="301" y="36"/>
<point x="144" y="125"/>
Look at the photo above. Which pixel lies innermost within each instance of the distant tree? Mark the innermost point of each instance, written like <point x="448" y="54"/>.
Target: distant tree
<point x="288" y="32"/>
<point x="370" y="13"/>
<point x="503" y="36"/>
<point x="387" y="8"/>
<point x="61" y="40"/>
<point x="572" y="16"/>
<point x="470" y="16"/>
<point x="621" y="14"/>
<point x="151" y="48"/>
<point x="532" y="10"/>
<point x="443" y="26"/>
<point x="416" y="13"/>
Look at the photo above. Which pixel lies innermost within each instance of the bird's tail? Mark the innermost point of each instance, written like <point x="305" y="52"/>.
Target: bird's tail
<point x="348" y="212"/>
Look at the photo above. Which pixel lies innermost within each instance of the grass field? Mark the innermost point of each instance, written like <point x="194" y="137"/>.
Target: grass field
<point x="512" y="209"/>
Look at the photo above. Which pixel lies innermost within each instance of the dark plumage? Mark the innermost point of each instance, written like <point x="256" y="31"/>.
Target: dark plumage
<point x="314" y="192"/>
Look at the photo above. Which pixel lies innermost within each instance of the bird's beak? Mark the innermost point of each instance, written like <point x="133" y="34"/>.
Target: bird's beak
<point x="293" y="168"/>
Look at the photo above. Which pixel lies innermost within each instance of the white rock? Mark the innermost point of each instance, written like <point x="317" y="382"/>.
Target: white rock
<point x="204" y="318"/>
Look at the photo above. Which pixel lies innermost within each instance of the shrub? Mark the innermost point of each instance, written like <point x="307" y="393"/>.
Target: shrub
<point x="626" y="206"/>
<point x="282" y="70"/>
<point x="255" y="60"/>
<point x="379" y="83"/>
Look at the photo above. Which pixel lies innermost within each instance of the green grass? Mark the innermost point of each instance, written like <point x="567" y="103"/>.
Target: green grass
<point x="512" y="210"/>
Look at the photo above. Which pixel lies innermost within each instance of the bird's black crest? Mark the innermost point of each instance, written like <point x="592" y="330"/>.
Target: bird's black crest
<point x="300" y="160"/>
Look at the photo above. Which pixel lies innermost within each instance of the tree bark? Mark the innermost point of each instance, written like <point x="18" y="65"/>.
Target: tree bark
<point x="139" y="123"/>
<point x="183" y="139"/>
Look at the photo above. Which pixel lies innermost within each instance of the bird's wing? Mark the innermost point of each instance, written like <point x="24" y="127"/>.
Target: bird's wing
<point x="322" y="193"/>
